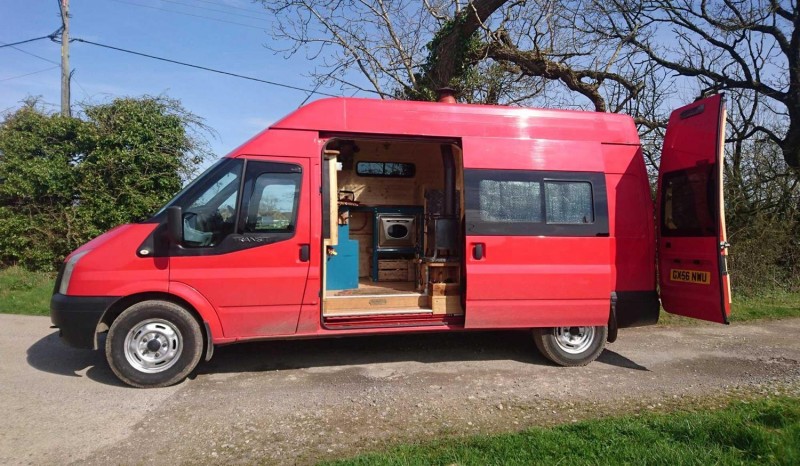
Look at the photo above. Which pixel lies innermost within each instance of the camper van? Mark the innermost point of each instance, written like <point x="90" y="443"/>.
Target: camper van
<point x="363" y="217"/>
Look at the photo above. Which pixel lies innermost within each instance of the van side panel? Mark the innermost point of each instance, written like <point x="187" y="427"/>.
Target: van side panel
<point x="633" y="278"/>
<point x="528" y="281"/>
<point x="436" y="119"/>
<point x="533" y="154"/>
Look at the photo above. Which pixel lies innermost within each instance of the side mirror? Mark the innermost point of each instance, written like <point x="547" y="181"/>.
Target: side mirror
<point x="175" y="225"/>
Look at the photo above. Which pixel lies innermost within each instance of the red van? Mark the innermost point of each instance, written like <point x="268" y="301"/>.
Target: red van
<point x="357" y="216"/>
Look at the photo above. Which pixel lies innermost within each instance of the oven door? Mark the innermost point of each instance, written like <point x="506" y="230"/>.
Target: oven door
<point x="396" y="231"/>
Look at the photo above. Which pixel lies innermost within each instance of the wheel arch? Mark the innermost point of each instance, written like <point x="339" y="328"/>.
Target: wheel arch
<point x="206" y="327"/>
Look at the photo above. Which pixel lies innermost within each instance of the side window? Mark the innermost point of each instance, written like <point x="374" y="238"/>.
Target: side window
<point x="388" y="169"/>
<point x="510" y="201"/>
<point x="569" y="202"/>
<point x="687" y="203"/>
<point x="535" y="203"/>
<point x="273" y="205"/>
<point x="271" y="199"/>
<point x="209" y="211"/>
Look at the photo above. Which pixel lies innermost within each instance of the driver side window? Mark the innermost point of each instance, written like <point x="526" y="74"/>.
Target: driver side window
<point x="212" y="215"/>
<point x="267" y="205"/>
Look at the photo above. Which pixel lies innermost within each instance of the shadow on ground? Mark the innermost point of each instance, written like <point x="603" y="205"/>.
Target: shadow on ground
<point x="615" y="359"/>
<point x="51" y="355"/>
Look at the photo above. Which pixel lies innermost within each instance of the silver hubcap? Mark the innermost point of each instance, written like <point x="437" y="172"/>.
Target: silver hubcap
<point x="153" y="346"/>
<point x="574" y="340"/>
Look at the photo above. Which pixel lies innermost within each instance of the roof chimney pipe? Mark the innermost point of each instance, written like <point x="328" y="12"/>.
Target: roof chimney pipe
<point x="446" y="95"/>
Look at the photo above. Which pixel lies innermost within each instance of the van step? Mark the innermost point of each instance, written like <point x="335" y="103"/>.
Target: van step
<point x="378" y="312"/>
<point x="394" y="320"/>
<point x="376" y="302"/>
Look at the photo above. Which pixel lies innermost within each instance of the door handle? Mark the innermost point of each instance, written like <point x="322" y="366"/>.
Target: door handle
<point x="477" y="251"/>
<point x="305" y="252"/>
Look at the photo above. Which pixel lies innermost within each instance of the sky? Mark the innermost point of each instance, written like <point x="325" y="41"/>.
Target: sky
<point x="229" y="35"/>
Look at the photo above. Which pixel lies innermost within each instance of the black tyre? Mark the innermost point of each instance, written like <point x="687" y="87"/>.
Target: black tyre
<point x="571" y="346"/>
<point x="154" y="344"/>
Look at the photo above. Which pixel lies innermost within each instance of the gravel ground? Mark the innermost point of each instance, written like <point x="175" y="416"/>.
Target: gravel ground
<point x="288" y="402"/>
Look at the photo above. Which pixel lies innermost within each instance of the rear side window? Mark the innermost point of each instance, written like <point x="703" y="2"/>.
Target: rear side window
<point x="510" y="201"/>
<point x="535" y="203"/>
<point x="387" y="169"/>
<point x="569" y="202"/>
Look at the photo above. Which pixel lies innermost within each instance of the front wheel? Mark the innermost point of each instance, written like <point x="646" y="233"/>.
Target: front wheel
<point x="571" y="346"/>
<point x="154" y="344"/>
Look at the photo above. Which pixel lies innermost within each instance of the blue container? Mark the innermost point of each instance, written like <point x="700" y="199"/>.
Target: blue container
<point x="342" y="270"/>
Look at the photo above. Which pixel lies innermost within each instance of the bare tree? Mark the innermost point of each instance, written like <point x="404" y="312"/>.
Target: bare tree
<point x="747" y="45"/>
<point x="492" y="51"/>
<point x="398" y="48"/>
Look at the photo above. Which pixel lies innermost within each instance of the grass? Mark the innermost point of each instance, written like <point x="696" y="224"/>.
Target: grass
<point x="779" y="304"/>
<point x="25" y="292"/>
<point x="771" y="305"/>
<point x="764" y="431"/>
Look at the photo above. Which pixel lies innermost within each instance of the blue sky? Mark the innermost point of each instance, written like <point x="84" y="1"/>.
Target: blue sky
<point x="236" y="109"/>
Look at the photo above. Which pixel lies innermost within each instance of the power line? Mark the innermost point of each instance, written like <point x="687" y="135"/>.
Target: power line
<point x="230" y="6"/>
<point x="85" y="92"/>
<point x="29" y="40"/>
<point x="28" y="74"/>
<point x="31" y="54"/>
<point x="217" y="10"/>
<point x="191" y="14"/>
<point x="272" y="83"/>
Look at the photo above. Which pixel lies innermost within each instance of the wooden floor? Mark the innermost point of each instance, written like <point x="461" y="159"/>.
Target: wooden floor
<point x="368" y="287"/>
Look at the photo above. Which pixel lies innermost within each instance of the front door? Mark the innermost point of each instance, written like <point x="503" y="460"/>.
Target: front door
<point x="692" y="246"/>
<point x="246" y="243"/>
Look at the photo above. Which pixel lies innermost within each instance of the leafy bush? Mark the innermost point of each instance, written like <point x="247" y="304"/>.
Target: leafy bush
<point x="65" y="180"/>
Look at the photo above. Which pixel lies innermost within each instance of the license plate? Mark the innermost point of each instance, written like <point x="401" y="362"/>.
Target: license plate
<point x="690" y="276"/>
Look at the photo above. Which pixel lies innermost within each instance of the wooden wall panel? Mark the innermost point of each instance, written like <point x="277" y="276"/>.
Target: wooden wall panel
<point x="395" y="191"/>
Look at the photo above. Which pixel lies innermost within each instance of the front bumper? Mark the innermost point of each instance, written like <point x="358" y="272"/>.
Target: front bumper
<point x="77" y="317"/>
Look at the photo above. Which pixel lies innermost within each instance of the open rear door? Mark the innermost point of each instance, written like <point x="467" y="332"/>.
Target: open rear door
<point x="692" y="244"/>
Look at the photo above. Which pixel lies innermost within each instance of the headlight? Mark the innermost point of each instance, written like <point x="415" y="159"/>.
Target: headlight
<point x="62" y="288"/>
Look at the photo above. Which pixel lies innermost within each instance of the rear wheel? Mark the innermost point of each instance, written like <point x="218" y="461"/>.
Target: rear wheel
<point x="154" y="344"/>
<point x="571" y="346"/>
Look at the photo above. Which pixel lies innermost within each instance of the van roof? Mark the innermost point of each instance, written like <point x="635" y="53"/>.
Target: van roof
<point x="434" y="119"/>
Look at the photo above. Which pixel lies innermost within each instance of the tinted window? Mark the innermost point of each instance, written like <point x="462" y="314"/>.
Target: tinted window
<point x="688" y="203"/>
<point x="535" y="203"/>
<point x="510" y="201"/>
<point x="273" y="205"/>
<point x="569" y="202"/>
<point x="391" y="169"/>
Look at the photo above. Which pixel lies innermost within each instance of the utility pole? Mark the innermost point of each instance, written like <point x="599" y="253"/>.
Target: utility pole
<point x="65" y="73"/>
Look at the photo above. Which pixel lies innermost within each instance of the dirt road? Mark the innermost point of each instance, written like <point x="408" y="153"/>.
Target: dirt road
<point x="300" y="401"/>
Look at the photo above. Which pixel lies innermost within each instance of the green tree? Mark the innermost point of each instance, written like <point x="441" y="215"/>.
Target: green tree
<point x="65" y="180"/>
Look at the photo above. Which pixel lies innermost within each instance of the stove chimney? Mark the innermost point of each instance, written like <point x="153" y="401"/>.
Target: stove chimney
<point x="446" y="95"/>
